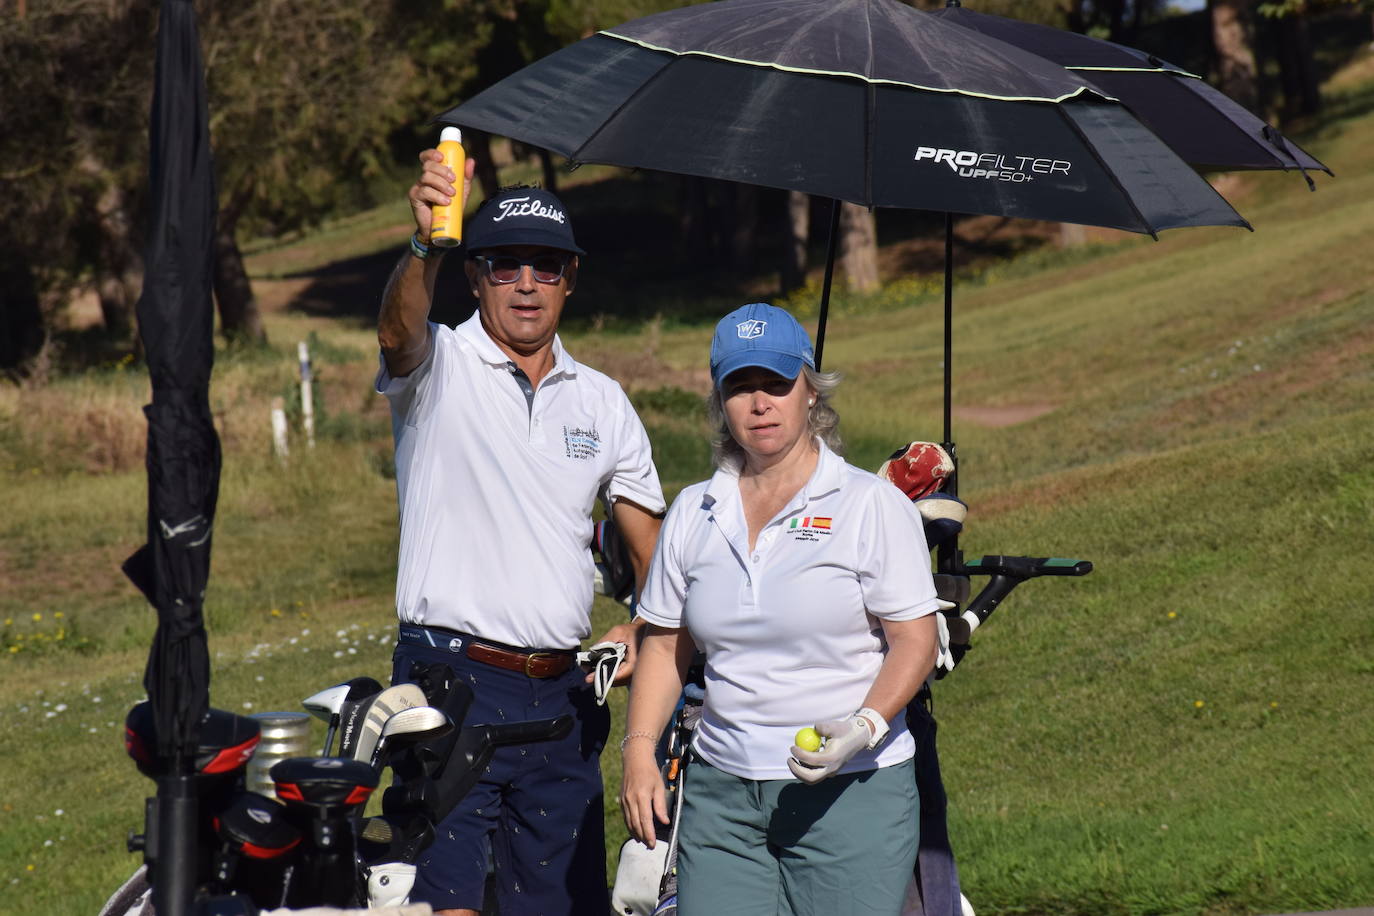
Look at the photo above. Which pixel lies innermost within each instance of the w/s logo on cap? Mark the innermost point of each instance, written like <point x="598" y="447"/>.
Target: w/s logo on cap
<point x="750" y="329"/>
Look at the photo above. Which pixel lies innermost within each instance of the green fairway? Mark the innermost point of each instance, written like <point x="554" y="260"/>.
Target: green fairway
<point x="1183" y="731"/>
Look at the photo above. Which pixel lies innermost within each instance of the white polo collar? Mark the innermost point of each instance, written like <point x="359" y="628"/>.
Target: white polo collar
<point x="487" y="350"/>
<point x="826" y="478"/>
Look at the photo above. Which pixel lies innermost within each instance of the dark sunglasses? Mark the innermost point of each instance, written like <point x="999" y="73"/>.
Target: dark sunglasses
<point x="505" y="268"/>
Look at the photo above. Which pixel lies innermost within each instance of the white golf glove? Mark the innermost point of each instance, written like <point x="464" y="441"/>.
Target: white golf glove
<point x="843" y="739"/>
<point x="604" y="660"/>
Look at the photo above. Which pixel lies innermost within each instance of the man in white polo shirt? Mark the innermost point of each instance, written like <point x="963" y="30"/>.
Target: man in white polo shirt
<point x="503" y="445"/>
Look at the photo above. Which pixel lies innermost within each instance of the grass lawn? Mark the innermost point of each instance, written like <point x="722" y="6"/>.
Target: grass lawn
<point x="1183" y="731"/>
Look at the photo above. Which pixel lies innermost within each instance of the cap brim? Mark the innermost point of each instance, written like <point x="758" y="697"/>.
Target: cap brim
<point x="517" y="237"/>
<point x="785" y="364"/>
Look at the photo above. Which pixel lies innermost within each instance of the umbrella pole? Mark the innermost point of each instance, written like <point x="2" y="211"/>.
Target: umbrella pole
<point x="949" y="558"/>
<point x="173" y="871"/>
<point x="952" y="485"/>
<point x="825" y="285"/>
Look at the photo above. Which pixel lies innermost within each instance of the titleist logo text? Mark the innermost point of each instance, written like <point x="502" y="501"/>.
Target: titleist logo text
<point x="522" y="206"/>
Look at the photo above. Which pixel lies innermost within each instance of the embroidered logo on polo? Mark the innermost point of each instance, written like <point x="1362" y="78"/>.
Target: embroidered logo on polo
<point x="748" y="330"/>
<point x="809" y="527"/>
<point x="580" y="442"/>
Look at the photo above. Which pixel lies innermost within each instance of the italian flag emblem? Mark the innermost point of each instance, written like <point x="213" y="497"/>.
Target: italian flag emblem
<point x="809" y="523"/>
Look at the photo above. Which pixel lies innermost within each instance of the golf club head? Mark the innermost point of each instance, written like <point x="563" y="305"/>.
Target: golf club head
<point x="394" y="838"/>
<point x="362" y="740"/>
<point x="326" y="706"/>
<point x="376" y="830"/>
<point x="411" y="726"/>
<point x="360" y="690"/>
<point x="443" y="690"/>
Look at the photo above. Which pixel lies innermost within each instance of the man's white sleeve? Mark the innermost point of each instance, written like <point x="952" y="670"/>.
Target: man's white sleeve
<point x="634" y="478"/>
<point x="403" y="392"/>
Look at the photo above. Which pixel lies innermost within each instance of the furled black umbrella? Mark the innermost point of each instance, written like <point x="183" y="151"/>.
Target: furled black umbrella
<point x="868" y="101"/>
<point x="176" y="321"/>
<point x="1205" y="127"/>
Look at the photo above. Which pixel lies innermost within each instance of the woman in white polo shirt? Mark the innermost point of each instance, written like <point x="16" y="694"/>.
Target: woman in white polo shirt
<point x="806" y="582"/>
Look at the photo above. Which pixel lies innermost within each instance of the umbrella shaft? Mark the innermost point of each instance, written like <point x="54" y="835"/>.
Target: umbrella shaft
<point x="949" y="330"/>
<point x="829" y="275"/>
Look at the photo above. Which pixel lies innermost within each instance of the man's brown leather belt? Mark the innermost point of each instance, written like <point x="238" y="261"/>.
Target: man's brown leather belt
<point x="530" y="664"/>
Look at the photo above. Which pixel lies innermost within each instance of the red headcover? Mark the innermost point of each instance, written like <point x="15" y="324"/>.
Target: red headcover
<point x="918" y="468"/>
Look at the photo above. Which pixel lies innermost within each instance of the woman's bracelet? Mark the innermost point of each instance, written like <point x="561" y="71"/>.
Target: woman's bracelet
<point x="628" y="735"/>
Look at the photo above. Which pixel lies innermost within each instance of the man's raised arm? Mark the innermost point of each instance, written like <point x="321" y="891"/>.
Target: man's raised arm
<point x="403" y="325"/>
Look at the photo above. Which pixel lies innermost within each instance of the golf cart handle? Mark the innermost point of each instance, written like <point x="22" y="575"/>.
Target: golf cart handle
<point x="1005" y="574"/>
<point x="1023" y="568"/>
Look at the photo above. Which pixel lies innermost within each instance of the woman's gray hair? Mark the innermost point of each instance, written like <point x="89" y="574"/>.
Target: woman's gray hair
<point x="823" y="420"/>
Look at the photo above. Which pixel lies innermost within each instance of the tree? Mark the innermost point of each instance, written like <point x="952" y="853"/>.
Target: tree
<point x="1233" y="41"/>
<point x="858" y="248"/>
<point x="305" y="142"/>
<point x="1297" y="68"/>
<point x="798" y="230"/>
<point x="72" y="160"/>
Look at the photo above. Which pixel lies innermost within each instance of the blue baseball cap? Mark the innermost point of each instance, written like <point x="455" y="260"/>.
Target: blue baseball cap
<point x="763" y="335"/>
<point x="521" y="216"/>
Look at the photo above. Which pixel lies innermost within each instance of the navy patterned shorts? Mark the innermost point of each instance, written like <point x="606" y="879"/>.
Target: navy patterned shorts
<point x="537" y="810"/>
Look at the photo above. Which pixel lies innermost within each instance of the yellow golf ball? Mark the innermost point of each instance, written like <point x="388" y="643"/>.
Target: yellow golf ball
<point x="808" y="739"/>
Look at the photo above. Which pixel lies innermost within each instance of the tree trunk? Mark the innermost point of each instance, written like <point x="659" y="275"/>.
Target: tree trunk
<point x="692" y="223"/>
<point x="119" y="265"/>
<point x="550" y="173"/>
<point x="240" y="321"/>
<point x="858" y="248"/>
<point x="1233" y="41"/>
<point x="797" y="237"/>
<point x="1071" y="235"/>
<point x="484" y="168"/>
<point x="1117" y="18"/>
<point x="744" y="223"/>
<point x="22" y="330"/>
<point x="1301" y="93"/>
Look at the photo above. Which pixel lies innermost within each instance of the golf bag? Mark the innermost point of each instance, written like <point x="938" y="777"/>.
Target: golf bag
<point x="646" y="879"/>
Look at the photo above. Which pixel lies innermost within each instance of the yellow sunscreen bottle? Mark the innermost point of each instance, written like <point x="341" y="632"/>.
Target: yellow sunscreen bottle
<point x="446" y="226"/>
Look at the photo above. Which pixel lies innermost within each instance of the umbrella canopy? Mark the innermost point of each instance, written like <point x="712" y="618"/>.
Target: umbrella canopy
<point x="1206" y="128"/>
<point x="868" y="101"/>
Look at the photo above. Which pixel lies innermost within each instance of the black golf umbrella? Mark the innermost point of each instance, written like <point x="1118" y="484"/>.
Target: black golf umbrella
<point x="1205" y="127"/>
<point x="868" y="101"/>
<point x="176" y="321"/>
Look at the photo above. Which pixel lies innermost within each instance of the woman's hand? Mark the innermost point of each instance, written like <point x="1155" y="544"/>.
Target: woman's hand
<point x="663" y="658"/>
<point x="642" y="796"/>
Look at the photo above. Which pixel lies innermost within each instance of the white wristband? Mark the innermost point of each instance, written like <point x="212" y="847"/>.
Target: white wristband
<point x="876" y="723"/>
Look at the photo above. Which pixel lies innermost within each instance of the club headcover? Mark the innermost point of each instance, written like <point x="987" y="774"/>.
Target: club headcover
<point x="918" y="468"/>
<point x="943" y="516"/>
